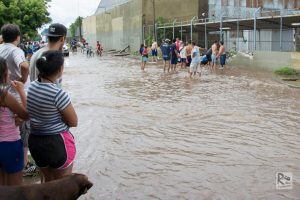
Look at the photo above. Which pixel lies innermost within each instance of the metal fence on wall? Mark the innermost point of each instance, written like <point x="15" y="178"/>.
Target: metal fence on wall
<point x="273" y="32"/>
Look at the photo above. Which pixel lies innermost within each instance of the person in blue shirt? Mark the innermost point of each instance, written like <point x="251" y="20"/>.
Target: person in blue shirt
<point x="165" y="48"/>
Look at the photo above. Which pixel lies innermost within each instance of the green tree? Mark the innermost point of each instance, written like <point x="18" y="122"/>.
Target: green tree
<point x="30" y="15"/>
<point x="77" y="24"/>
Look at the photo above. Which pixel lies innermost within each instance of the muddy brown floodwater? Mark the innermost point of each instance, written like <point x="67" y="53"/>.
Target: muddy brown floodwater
<point x="163" y="136"/>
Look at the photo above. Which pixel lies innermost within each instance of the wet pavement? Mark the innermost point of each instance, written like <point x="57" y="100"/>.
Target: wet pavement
<point x="150" y="135"/>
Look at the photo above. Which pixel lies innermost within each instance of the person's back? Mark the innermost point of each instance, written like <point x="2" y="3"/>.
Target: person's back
<point x="183" y="52"/>
<point x="14" y="56"/>
<point x="214" y="49"/>
<point x="195" y="55"/>
<point x="8" y="52"/>
<point x="222" y="50"/>
<point x="165" y="48"/>
<point x="173" y="50"/>
<point x="45" y="113"/>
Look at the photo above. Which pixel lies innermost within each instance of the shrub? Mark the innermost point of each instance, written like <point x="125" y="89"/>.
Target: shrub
<point x="286" y="71"/>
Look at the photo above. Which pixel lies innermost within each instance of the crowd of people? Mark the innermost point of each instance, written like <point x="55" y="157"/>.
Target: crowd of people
<point x="88" y="49"/>
<point x="36" y="113"/>
<point x="186" y="55"/>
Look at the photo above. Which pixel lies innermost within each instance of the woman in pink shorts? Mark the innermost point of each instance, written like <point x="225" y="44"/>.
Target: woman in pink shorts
<point x="51" y="114"/>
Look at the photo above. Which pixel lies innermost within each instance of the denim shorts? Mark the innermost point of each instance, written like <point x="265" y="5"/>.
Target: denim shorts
<point x="214" y="59"/>
<point x="144" y="59"/>
<point x="154" y="52"/>
<point x="166" y="58"/>
<point x="11" y="156"/>
<point x="223" y="59"/>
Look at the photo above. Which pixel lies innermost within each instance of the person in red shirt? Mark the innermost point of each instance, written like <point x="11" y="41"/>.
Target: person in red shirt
<point x="144" y="52"/>
<point x="177" y="44"/>
<point x="99" y="49"/>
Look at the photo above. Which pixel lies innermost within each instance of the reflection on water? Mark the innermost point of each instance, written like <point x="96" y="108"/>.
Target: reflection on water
<point x="163" y="136"/>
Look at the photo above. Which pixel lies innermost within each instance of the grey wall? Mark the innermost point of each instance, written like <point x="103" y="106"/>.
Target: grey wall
<point x="118" y="27"/>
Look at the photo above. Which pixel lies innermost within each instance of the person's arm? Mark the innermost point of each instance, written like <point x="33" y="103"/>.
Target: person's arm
<point x="19" y="87"/>
<point x="15" y="106"/>
<point x="69" y="116"/>
<point x="20" y="61"/>
<point x="24" y="71"/>
<point x="64" y="105"/>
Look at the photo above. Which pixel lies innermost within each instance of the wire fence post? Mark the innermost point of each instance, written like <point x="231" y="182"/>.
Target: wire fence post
<point x="174" y="28"/>
<point x="164" y="32"/>
<point x="192" y="21"/>
<point x="155" y="29"/>
<point x="181" y="31"/>
<point x="205" y="29"/>
<point x="143" y="34"/>
<point x="221" y="27"/>
<point x="280" y="34"/>
<point x="238" y="35"/>
<point x="255" y="19"/>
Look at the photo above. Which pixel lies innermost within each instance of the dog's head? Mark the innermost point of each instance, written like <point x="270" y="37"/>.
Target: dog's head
<point x="83" y="183"/>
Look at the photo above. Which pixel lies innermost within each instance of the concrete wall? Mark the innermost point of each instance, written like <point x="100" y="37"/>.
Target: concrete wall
<point x="169" y="10"/>
<point x="89" y="29"/>
<point x="268" y="60"/>
<point x="118" y="27"/>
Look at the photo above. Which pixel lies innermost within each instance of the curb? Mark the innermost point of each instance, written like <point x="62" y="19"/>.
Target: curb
<point x="284" y="83"/>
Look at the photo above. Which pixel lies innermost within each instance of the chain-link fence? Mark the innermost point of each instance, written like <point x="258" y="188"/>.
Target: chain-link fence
<point x="274" y="30"/>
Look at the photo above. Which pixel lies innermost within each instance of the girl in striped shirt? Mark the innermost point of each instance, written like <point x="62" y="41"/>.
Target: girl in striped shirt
<point x="51" y="113"/>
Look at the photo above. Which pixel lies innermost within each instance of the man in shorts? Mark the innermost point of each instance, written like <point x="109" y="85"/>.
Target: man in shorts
<point x="165" y="48"/>
<point x="189" y="49"/>
<point x="214" y="55"/>
<point x="222" y="55"/>
<point x="174" y="55"/>
<point x="195" y="60"/>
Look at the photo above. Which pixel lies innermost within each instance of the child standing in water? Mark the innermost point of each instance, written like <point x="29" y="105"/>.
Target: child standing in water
<point x="51" y="114"/>
<point x="144" y="57"/>
<point x="11" y="145"/>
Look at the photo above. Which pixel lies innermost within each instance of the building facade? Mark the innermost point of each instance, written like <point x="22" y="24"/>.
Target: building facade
<point x="119" y="23"/>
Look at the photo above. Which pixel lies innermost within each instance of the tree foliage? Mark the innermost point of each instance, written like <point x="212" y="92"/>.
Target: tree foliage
<point x="30" y="15"/>
<point x="77" y="24"/>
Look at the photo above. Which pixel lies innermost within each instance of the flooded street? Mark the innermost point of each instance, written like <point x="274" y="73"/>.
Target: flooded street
<point x="163" y="136"/>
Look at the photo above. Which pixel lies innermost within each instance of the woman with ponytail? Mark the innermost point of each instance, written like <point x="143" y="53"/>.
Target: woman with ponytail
<point x="51" y="113"/>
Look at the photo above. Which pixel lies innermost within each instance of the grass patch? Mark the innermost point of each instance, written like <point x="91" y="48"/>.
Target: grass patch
<point x="286" y="71"/>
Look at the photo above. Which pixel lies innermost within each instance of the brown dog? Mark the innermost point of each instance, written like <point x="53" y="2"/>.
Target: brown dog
<point x="68" y="188"/>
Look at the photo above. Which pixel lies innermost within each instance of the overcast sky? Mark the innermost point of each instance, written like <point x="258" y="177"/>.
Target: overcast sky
<point x="66" y="11"/>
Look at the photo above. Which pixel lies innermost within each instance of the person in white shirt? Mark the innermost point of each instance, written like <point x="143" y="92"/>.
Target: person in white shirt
<point x="195" y="60"/>
<point x="182" y="52"/>
<point x="18" y="69"/>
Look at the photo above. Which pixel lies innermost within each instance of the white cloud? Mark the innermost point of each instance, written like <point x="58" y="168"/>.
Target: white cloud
<point x="66" y="11"/>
